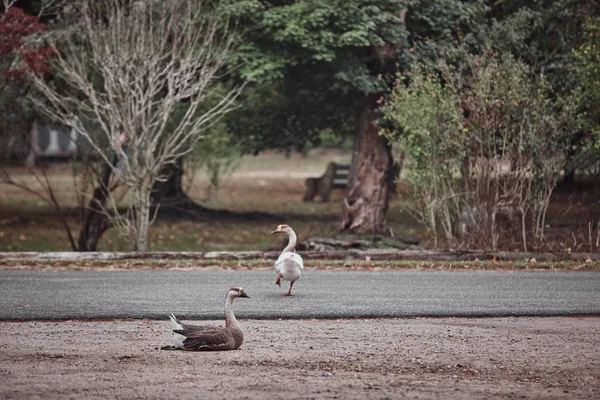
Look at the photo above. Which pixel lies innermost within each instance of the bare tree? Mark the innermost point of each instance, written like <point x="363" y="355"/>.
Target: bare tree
<point x="136" y="83"/>
<point x="8" y="4"/>
<point x="45" y="6"/>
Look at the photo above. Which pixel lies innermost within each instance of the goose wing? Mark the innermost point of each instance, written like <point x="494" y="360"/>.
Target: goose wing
<point x="197" y="328"/>
<point x="290" y="260"/>
<point x="177" y="324"/>
<point x="205" y="338"/>
<point x="298" y="260"/>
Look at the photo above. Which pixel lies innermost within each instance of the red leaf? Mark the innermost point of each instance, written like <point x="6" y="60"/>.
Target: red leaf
<point x="15" y="25"/>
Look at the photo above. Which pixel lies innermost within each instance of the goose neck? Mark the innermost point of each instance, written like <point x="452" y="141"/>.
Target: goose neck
<point x="291" y="242"/>
<point x="230" y="320"/>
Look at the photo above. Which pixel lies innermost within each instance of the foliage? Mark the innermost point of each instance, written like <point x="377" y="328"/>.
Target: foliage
<point x="540" y="33"/>
<point x="20" y="51"/>
<point x="501" y="132"/>
<point x="422" y="118"/>
<point x="314" y="31"/>
<point x="310" y="64"/>
<point x="588" y="73"/>
<point x="15" y="27"/>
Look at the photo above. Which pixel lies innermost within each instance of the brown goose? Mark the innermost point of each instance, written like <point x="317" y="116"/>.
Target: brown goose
<point x="289" y="265"/>
<point x="210" y="338"/>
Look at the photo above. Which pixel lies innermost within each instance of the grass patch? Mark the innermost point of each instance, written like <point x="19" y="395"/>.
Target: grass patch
<point x="268" y="183"/>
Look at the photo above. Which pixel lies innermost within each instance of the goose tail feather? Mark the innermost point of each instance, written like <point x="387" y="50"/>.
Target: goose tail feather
<point x="175" y="323"/>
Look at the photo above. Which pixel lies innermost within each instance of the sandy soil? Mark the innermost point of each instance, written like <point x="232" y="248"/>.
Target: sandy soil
<point x="308" y="359"/>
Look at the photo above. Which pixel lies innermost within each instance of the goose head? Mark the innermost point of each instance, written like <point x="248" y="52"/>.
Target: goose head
<point x="282" y="229"/>
<point x="237" y="292"/>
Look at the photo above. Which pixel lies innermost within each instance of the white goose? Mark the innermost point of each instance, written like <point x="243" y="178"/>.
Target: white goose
<point x="289" y="265"/>
<point x="210" y="338"/>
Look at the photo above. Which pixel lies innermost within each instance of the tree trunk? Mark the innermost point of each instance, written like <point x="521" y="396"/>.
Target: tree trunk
<point x="365" y="207"/>
<point x="372" y="173"/>
<point x="170" y="191"/>
<point x="170" y="198"/>
<point x="168" y="194"/>
<point x="95" y="222"/>
<point x="142" y="217"/>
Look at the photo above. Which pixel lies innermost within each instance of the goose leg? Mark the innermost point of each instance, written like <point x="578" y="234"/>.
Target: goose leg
<point x="278" y="281"/>
<point x="289" y="293"/>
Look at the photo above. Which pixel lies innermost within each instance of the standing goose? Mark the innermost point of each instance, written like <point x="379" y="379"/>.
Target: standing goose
<point x="289" y="265"/>
<point x="210" y="338"/>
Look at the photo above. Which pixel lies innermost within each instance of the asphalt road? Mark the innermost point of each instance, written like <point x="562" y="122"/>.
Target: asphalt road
<point x="44" y="295"/>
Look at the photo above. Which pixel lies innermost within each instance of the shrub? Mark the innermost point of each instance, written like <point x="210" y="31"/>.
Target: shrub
<point x="483" y="153"/>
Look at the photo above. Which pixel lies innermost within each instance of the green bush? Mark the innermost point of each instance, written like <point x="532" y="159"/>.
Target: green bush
<point x="483" y="153"/>
<point x="426" y="127"/>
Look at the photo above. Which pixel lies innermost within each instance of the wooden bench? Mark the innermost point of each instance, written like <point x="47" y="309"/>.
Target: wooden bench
<point x="335" y="177"/>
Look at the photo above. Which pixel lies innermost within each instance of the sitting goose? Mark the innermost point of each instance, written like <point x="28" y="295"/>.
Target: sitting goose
<point x="210" y="338"/>
<point x="289" y="265"/>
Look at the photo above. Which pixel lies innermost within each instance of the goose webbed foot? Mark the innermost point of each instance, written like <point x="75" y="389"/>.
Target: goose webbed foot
<point x="278" y="281"/>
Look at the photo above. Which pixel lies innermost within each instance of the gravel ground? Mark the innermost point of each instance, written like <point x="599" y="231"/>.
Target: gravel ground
<point x="450" y="358"/>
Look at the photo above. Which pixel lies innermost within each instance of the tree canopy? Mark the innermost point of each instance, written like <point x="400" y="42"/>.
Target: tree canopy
<point x="309" y="65"/>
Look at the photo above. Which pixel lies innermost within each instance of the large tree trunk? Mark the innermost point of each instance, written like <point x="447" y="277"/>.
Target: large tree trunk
<point x="170" y="192"/>
<point x="95" y="221"/>
<point x="171" y="199"/>
<point x="372" y="173"/>
<point x="365" y="207"/>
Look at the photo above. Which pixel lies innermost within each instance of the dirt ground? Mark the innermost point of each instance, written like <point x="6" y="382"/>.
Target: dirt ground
<point x="450" y="358"/>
